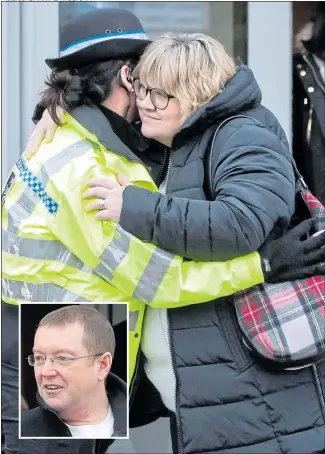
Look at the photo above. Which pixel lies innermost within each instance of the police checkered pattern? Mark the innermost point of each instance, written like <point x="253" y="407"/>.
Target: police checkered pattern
<point x="36" y="186"/>
<point x="285" y="322"/>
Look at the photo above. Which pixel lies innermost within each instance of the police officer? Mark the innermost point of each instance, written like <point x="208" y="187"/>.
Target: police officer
<point x="101" y="45"/>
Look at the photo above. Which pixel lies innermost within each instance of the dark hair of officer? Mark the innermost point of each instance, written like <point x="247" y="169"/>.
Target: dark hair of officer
<point x="90" y="85"/>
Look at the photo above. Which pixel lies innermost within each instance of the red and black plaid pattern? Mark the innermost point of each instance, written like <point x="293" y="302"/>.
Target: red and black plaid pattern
<point x="316" y="209"/>
<point x="286" y="322"/>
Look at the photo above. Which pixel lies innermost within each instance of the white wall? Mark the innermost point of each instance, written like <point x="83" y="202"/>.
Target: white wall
<point x="30" y="34"/>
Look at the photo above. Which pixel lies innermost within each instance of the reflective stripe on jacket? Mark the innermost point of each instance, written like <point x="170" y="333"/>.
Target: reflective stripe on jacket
<point x="53" y="250"/>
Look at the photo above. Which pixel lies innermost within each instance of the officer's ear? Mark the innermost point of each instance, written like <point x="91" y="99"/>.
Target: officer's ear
<point x="124" y="78"/>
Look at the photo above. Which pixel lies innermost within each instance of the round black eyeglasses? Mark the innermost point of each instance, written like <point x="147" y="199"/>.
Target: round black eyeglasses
<point x="159" y="98"/>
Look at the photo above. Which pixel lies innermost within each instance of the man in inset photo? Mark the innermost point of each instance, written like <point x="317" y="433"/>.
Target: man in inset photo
<point x="77" y="395"/>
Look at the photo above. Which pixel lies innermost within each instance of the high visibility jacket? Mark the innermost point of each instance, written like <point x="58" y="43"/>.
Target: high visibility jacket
<point x="53" y="250"/>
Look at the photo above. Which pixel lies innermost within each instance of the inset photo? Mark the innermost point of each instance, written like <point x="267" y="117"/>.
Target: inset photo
<point x="73" y="370"/>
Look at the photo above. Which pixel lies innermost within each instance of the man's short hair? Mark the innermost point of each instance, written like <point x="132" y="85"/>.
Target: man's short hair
<point x="98" y="332"/>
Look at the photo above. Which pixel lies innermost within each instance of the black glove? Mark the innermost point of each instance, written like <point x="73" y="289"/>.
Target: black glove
<point x="296" y="255"/>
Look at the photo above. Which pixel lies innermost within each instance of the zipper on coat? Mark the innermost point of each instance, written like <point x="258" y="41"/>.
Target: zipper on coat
<point x="162" y="171"/>
<point x="319" y="389"/>
<point x="176" y="401"/>
<point x="167" y="172"/>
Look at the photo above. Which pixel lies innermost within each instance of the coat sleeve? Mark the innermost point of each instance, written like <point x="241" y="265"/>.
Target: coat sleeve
<point x="135" y="269"/>
<point x="107" y="261"/>
<point x="254" y="187"/>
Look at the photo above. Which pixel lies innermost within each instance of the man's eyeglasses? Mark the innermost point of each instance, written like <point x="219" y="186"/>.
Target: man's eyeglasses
<point x="159" y="98"/>
<point x="39" y="360"/>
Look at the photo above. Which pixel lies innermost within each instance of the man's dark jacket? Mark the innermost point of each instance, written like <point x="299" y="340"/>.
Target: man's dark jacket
<point x="44" y="422"/>
<point x="226" y="401"/>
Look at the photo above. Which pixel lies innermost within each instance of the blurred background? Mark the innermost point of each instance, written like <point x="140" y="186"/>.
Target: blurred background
<point x="257" y="33"/>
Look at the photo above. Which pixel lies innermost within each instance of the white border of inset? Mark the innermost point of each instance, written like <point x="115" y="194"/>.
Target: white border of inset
<point x="127" y="372"/>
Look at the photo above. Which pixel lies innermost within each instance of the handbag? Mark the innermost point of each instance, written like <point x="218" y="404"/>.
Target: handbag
<point x="283" y="324"/>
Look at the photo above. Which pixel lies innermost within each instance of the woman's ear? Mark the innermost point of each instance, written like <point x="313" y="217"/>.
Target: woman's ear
<point x="126" y="78"/>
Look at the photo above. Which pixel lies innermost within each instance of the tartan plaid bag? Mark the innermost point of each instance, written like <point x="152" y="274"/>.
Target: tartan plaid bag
<point x="284" y="324"/>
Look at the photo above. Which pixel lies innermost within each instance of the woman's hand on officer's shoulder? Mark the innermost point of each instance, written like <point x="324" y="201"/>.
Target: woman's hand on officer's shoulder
<point x="108" y="197"/>
<point x="45" y="129"/>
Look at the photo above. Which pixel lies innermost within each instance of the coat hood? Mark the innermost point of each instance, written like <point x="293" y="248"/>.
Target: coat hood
<point x="240" y="94"/>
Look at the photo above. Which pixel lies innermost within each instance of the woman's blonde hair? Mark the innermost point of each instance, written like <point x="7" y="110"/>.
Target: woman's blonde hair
<point x="194" y="68"/>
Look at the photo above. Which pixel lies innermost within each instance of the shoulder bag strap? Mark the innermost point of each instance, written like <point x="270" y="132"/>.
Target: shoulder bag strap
<point x="208" y="160"/>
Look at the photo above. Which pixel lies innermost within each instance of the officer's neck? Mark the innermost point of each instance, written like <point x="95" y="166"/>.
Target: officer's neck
<point x="117" y="102"/>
